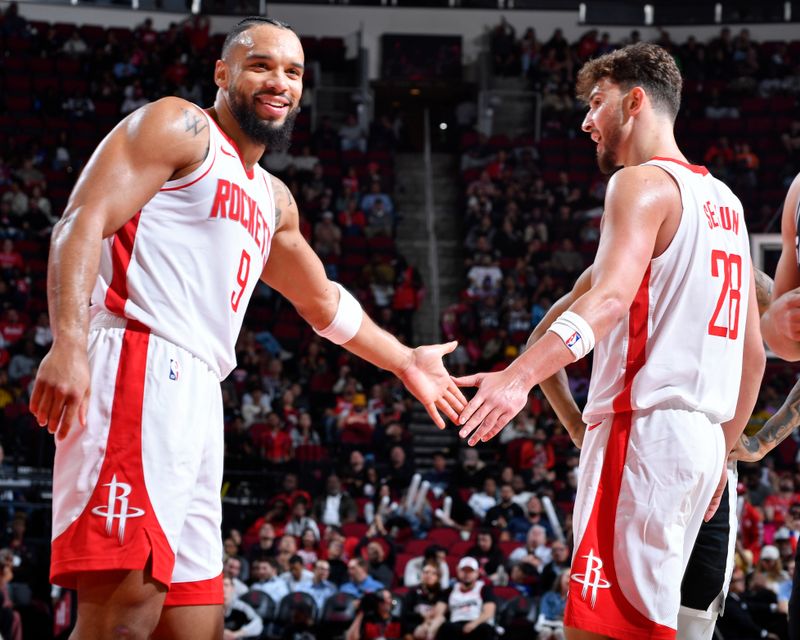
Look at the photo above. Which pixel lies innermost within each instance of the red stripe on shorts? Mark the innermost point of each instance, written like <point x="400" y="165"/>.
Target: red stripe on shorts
<point x="595" y="602"/>
<point x="121" y="250"/>
<point x="200" y="592"/>
<point x="118" y="528"/>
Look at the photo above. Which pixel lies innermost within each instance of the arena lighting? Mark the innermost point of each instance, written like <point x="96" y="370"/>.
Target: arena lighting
<point x="443" y="126"/>
<point x="415" y="91"/>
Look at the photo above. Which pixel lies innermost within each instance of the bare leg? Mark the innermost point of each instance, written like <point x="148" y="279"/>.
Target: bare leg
<point x="196" y="622"/>
<point x="122" y="605"/>
<point x="578" y="634"/>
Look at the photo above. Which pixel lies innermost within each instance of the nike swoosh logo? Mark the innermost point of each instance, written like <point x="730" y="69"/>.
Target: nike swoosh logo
<point x="228" y="153"/>
<point x="594" y="426"/>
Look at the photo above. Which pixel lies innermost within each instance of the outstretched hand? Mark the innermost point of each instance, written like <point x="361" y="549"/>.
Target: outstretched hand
<point x="430" y="383"/>
<point x="500" y="397"/>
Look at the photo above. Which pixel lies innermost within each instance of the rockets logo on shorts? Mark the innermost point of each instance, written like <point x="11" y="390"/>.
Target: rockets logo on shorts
<point x="174" y="369"/>
<point x="591" y="579"/>
<point x="573" y="340"/>
<point x="117" y="507"/>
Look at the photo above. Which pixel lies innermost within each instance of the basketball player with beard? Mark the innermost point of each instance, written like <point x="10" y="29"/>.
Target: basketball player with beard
<point x="167" y="231"/>
<point x="671" y="307"/>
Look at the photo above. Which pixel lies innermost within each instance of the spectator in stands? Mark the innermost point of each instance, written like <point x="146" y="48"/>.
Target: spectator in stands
<point x="373" y="620"/>
<point x="550" y="622"/>
<point x="10" y="620"/>
<point x="560" y="563"/>
<point x="256" y="405"/>
<point x="320" y="588"/>
<point x="360" y="581"/>
<point x="334" y="507"/>
<point x="471" y="472"/>
<point x="481" y="501"/>
<point x="434" y="554"/>
<point x="471" y="605"/>
<point x="352" y="135"/>
<point x="241" y="621"/>
<point x="506" y="510"/>
<point x="233" y="569"/>
<point x="738" y="622"/>
<point x="770" y="568"/>
<point x="356" y="425"/>
<point x="309" y="548"/>
<point x="335" y="556"/>
<point x="439" y="476"/>
<point x="265" y="579"/>
<point x="300" y="522"/>
<point x="399" y="471"/>
<point x="536" y="552"/>
<point x="297" y="577"/>
<point x="425" y="605"/>
<point x="17" y="200"/>
<point x="378" y="566"/>
<point x="489" y="556"/>
<point x="75" y="45"/>
<point x="23" y="363"/>
<point x="303" y="433"/>
<point x="265" y="545"/>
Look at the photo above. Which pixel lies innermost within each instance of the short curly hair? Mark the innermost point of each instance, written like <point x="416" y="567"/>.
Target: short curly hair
<point x="642" y="64"/>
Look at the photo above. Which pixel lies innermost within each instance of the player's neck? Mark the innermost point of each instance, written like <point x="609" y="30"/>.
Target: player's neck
<point x="249" y="150"/>
<point x="655" y="141"/>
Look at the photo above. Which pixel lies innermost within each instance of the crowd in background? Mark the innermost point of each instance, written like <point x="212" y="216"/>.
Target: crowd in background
<point x="324" y="494"/>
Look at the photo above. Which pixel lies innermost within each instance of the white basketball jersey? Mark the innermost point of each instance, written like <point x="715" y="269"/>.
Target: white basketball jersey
<point x="680" y="345"/>
<point x="186" y="264"/>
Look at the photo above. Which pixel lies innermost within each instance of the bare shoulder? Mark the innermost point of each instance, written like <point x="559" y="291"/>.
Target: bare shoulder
<point x="790" y="206"/>
<point x="642" y="186"/>
<point x="170" y="126"/>
<point x="285" y="205"/>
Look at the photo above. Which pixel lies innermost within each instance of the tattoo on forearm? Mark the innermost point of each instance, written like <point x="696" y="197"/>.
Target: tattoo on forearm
<point x="763" y="289"/>
<point x="749" y="443"/>
<point x="193" y="122"/>
<point x="779" y="426"/>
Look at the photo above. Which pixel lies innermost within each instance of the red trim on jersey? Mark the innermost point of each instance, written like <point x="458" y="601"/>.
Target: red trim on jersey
<point x="121" y="250"/>
<point x="695" y="168"/>
<point x="250" y="172"/>
<point x="200" y="592"/>
<point x="118" y="528"/>
<point x="189" y="184"/>
<point x="611" y="614"/>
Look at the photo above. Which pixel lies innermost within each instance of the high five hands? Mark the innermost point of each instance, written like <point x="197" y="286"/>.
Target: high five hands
<point x="499" y="398"/>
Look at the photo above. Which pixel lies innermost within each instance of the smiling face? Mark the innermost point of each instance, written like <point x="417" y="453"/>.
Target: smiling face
<point x="261" y="79"/>
<point x="604" y="122"/>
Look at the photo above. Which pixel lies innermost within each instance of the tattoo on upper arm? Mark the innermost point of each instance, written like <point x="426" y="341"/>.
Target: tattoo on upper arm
<point x="288" y="194"/>
<point x="783" y="422"/>
<point x="763" y="289"/>
<point x="277" y="214"/>
<point x="193" y="122"/>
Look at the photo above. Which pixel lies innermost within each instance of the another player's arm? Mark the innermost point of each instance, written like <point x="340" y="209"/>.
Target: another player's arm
<point x="556" y="387"/>
<point x="295" y="271"/>
<point x="126" y="170"/>
<point x="781" y="324"/>
<point x="626" y="247"/>
<point x="775" y="430"/>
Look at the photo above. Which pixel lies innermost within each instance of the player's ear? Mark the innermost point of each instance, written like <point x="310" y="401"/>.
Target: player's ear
<point x="221" y="74"/>
<point x="635" y="100"/>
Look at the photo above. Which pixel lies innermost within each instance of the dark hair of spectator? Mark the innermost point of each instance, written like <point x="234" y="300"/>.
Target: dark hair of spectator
<point x="295" y="560"/>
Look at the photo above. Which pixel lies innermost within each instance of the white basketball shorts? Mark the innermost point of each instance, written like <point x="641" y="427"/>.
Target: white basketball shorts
<point x="142" y="480"/>
<point x="646" y="479"/>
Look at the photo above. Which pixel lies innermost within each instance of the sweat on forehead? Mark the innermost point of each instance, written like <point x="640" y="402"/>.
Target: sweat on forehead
<point x="239" y="33"/>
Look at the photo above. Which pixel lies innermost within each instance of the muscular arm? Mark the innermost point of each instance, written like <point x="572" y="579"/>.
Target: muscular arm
<point x="627" y="245"/>
<point x="296" y="272"/>
<point x="781" y="324"/>
<point x="556" y="387"/>
<point x="777" y="428"/>
<point x="129" y="166"/>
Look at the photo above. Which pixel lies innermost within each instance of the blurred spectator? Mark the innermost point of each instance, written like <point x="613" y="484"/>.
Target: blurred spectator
<point x="334" y="507"/>
<point x="265" y="546"/>
<point x="434" y="554"/>
<point x="425" y="605"/>
<point x="550" y="621"/>
<point x="471" y="472"/>
<point x="481" y="501"/>
<point x="738" y="622"/>
<point x="300" y="522"/>
<point x="506" y="510"/>
<point x="352" y="135"/>
<point x="561" y="562"/>
<point x="241" y="621"/>
<point x="232" y="570"/>
<point x="320" y="588"/>
<point x="75" y="46"/>
<point x="360" y="582"/>
<point x="265" y="579"/>
<point x="373" y="620"/>
<point x="297" y="578"/>
<point x="471" y="605"/>
<point x="489" y="556"/>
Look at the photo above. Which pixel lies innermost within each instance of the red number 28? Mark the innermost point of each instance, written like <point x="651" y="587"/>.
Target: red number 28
<point x="729" y="268"/>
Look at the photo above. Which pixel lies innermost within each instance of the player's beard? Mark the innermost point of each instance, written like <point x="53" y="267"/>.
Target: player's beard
<point x="607" y="158"/>
<point x="276" y="137"/>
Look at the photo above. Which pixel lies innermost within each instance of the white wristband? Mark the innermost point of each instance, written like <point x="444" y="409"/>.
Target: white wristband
<point x="346" y="322"/>
<point x="575" y="332"/>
